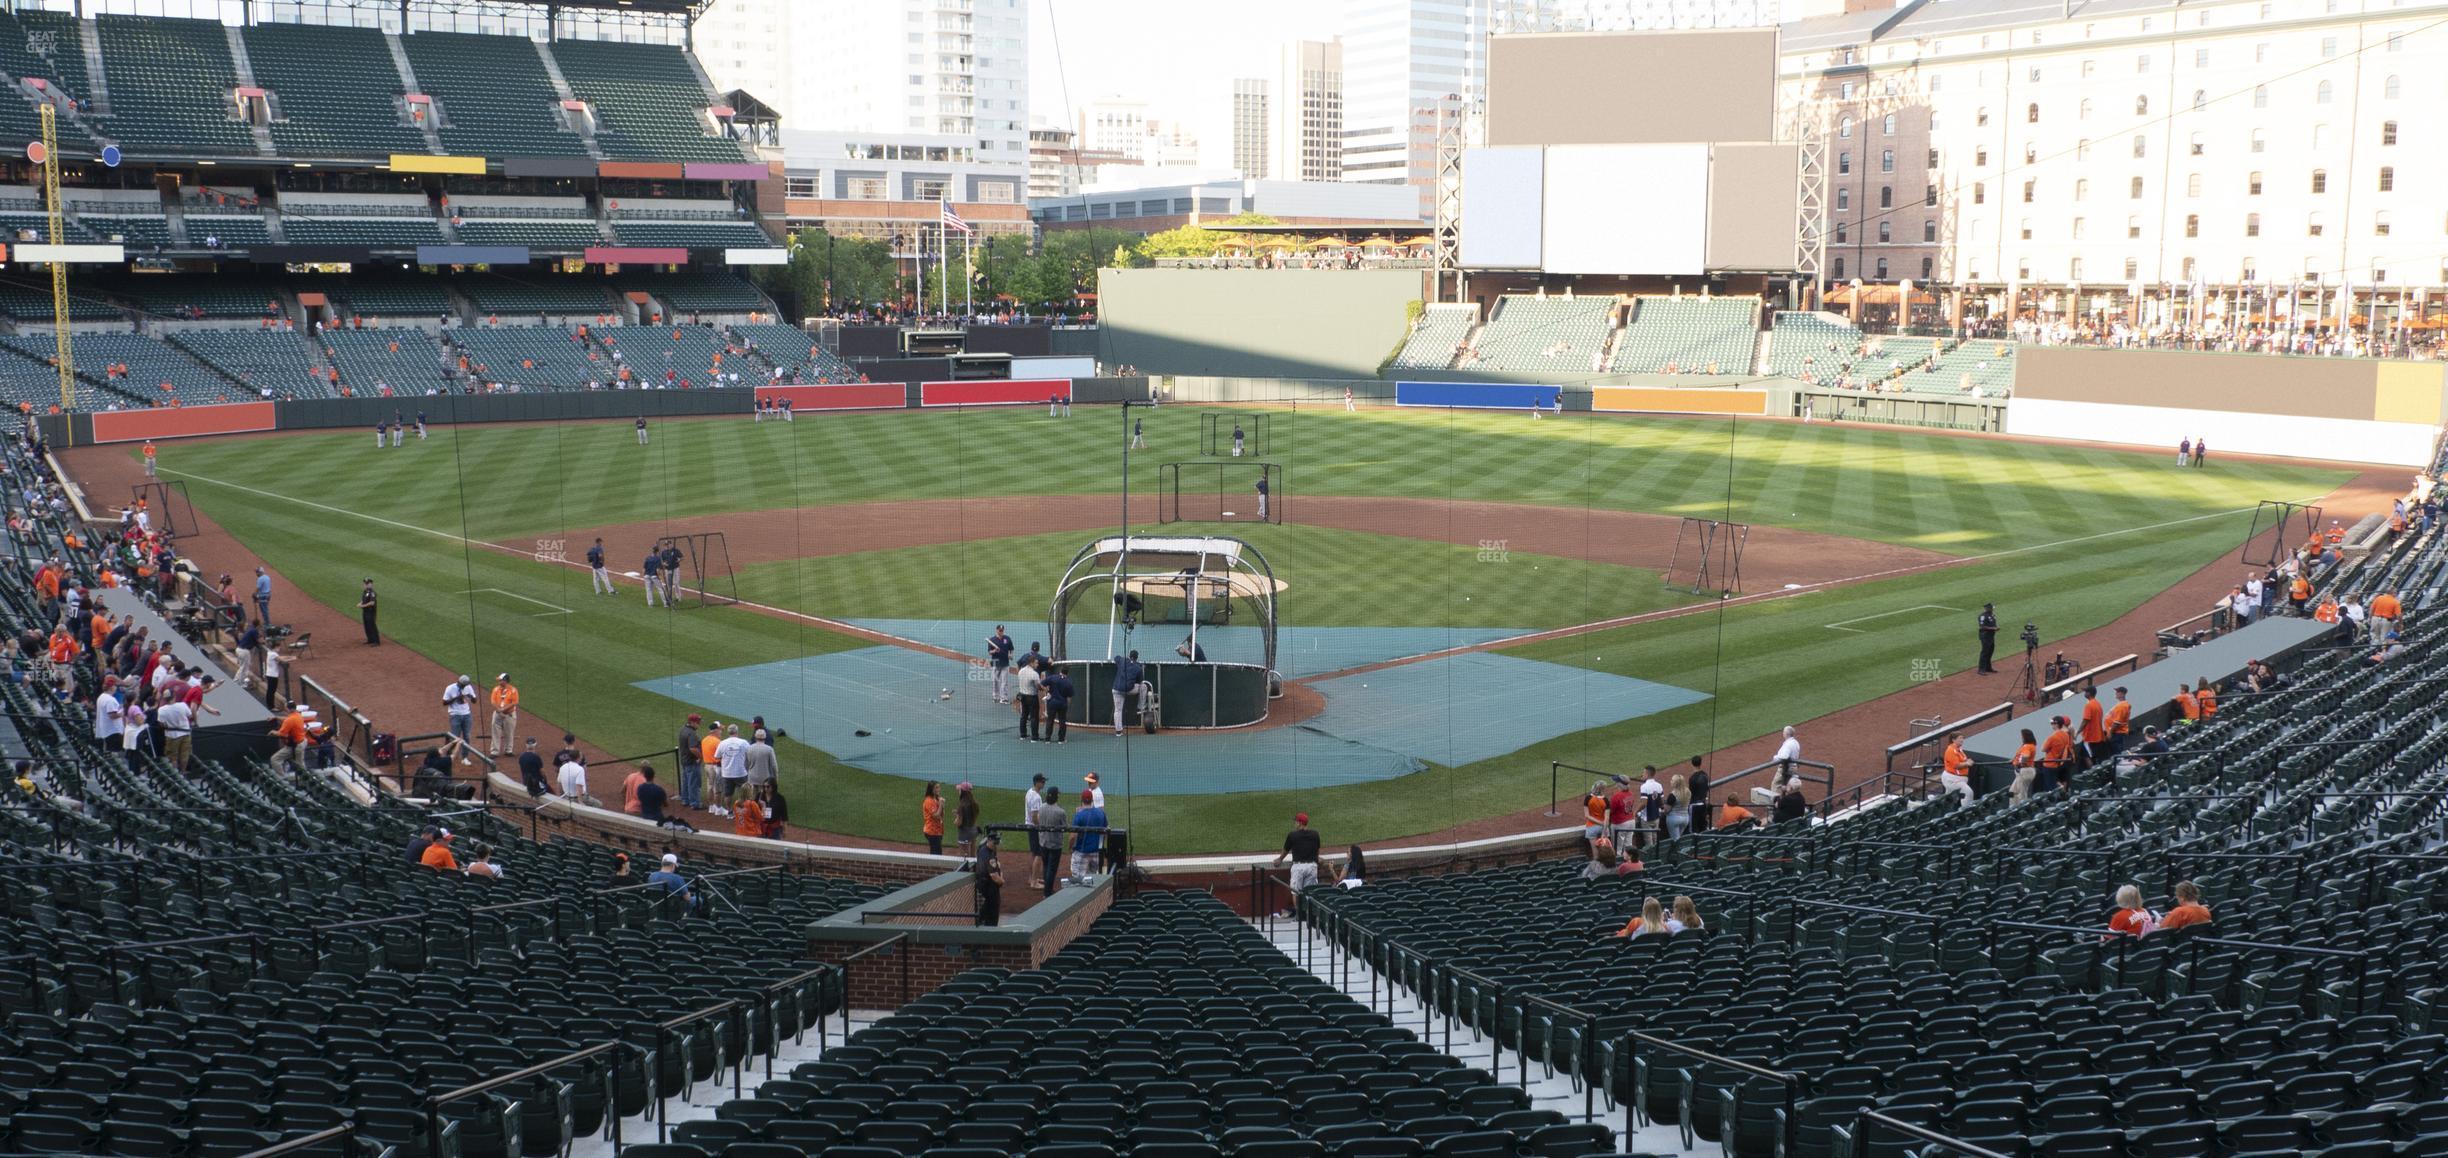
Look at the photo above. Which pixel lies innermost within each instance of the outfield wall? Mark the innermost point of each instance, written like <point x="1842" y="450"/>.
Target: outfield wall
<point x="558" y="406"/>
<point x="2350" y="410"/>
<point x="1255" y="323"/>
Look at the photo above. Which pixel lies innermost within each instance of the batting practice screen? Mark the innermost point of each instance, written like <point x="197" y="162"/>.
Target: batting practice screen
<point x="1220" y="492"/>
<point x="1234" y="435"/>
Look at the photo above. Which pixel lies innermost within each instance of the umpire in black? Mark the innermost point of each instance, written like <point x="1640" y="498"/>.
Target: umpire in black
<point x="1988" y="637"/>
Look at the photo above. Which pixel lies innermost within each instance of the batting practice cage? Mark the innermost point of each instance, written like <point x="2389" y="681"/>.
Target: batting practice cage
<point x="1216" y="432"/>
<point x="1219" y="492"/>
<point x="1198" y="610"/>
<point x="705" y="577"/>
<point x="166" y="503"/>
<point x="1707" y="557"/>
<point x="2278" y="527"/>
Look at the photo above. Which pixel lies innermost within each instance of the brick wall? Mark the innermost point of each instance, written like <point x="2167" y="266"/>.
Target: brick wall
<point x="876" y="980"/>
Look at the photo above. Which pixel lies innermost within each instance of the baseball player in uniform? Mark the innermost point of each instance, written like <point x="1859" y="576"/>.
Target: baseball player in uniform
<point x="600" y="577"/>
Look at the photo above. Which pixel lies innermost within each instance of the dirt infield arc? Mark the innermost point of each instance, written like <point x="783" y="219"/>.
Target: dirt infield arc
<point x="1773" y="557"/>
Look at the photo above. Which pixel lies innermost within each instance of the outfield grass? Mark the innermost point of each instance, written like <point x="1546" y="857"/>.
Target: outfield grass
<point x="1331" y="578"/>
<point x="2091" y="533"/>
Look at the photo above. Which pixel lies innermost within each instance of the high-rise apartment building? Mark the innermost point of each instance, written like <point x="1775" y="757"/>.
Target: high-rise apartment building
<point x="1306" y="121"/>
<point x="1403" y="60"/>
<point x="1251" y="122"/>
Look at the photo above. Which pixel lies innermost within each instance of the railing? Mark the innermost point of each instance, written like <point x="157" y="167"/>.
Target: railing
<point x="254" y="943"/>
<point x="345" y="1134"/>
<point x="2087" y="675"/>
<point x="1925" y="739"/>
<point x="1791" y="1082"/>
<point x="1828" y="781"/>
<point x="2176" y="631"/>
<point x="1585" y="1052"/>
<point x="772" y="993"/>
<point x="1556" y="766"/>
<point x="1916" y="778"/>
<point x="434" y="1104"/>
<point x="663" y="1045"/>
<point x="900" y="943"/>
<point x="1871" y="1119"/>
<point x="360" y="735"/>
<point x="403" y="774"/>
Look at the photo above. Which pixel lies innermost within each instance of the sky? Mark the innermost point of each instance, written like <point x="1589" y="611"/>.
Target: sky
<point x="1180" y="58"/>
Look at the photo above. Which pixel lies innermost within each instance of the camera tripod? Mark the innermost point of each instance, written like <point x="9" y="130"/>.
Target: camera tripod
<point x="2027" y="685"/>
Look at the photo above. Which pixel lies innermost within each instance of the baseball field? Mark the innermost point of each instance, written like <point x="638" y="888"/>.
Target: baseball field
<point x="1467" y="596"/>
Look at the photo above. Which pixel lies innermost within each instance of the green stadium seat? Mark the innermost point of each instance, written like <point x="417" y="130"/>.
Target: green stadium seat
<point x="172" y="88"/>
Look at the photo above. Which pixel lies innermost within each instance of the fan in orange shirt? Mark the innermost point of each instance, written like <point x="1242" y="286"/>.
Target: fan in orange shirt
<point x="2131" y="919"/>
<point x="2026" y="768"/>
<point x="2120" y="722"/>
<point x="1955" y="770"/>
<point x="2188" y="709"/>
<point x="2188" y="911"/>
<point x="2094" y="729"/>
<point x="2385" y="605"/>
<point x="2207" y="697"/>
<point x="2055" y="753"/>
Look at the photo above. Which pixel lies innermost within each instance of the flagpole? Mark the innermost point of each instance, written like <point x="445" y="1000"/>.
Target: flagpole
<point x="943" y="272"/>
<point x="918" y="303"/>
<point x="968" y="270"/>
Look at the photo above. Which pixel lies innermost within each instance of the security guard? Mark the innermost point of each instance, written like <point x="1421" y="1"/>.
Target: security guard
<point x="1988" y="637"/>
<point x="365" y="611"/>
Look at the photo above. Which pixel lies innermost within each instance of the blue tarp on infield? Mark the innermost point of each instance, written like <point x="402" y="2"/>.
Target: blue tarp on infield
<point x="1376" y="726"/>
<point x="1477" y="705"/>
<point x="1300" y="652"/>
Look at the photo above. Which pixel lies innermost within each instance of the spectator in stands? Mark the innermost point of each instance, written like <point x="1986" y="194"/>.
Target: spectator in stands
<point x="689" y="750"/>
<point x="2392" y="646"/>
<point x="987" y="871"/>
<point x="1676" y="808"/>
<point x="2056" y="756"/>
<point x="421" y="841"/>
<point x="531" y="771"/>
<point x="481" y="864"/>
<point x="1789" y="750"/>
<point x="1301" y="848"/>
<point x="1685" y="917"/>
<point x="763" y="766"/>
<point x="291" y="734"/>
<point x="965" y="817"/>
<point x="1622" y="813"/>
<point x="1651" y="921"/>
<point x="2130" y="919"/>
<point x="1732" y="814"/>
<point x="437" y="855"/>
<point x="621" y="877"/>
<point x="2026" y="766"/>
<point x="573" y="776"/>
<point x="1595" y="814"/>
<point x="1354" y="872"/>
<point x="1699" y="784"/>
<point x="1955" y="770"/>
<point x="748" y="817"/>
<point x="1087" y="847"/>
<point x="1789" y="803"/>
<point x="2189" y="909"/>
<point x="931" y="818"/>
<point x="2094" y="735"/>
<point x="669" y="878"/>
<point x="1052" y="817"/>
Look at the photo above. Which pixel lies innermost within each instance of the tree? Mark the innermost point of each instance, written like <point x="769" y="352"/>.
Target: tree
<point x="1199" y="240"/>
<point x="859" y="270"/>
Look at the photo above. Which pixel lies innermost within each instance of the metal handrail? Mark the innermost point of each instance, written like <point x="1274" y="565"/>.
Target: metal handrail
<point x="1554" y="768"/>
<point x="1791" y="1081"/>
<point x="1829" y="779"/>
<point x="1870" y="1117"/>
<point x="344" y="1133"/>
<point x="898" y="941"/>
<point x="1938" y="733"/>
<point x="772" y="992"/>
<point x="434" y="1104"/>
<point x="664" y="1030"/>
<point x="2129" y="663"/>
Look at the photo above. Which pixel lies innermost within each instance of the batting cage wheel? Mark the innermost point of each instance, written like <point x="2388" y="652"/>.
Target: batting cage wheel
<point x="1219" y="492"/>
<point x="1216" y="434"/>
<point x="705" y="575"/>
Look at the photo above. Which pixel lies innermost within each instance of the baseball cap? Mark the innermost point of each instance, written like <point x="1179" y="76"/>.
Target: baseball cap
<point x="502" y="676"/>
<point x="1300" y="818"/>
<point x="1087" y="796"/>
<point x="694" y="718"/>
<point x="671" y="858"/>
<point x="964" y="786"/>
<point x="1091" y="778"/>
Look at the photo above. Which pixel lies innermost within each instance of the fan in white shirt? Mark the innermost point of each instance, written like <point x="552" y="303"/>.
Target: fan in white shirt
<point x="574" y="780"/>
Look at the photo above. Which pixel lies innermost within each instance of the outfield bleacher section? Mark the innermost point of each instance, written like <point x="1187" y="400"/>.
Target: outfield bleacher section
<point x="279" y="361"/>
<point x="1812" y="346"/>
<point x="408" y="361"/>
<point x="46" y="48"/>
<point x="28" y="380"/>
<point x="533" y="357"/>
<point x="700" y="292"/>
<point x="650" y="105"/>
<point x="133" y="218"/>
<point x="389" y="297"/>
<point x="791" y="348"/>
<point x="494" y="95"/>
<point x="338" y="89"/>
<point x="21" y="302"/>
<point x="156" y="374"/>
<point x="226" y="296"/>
<point x="1527" y="333"/>
<point x="377" y="221"/>
<point x="1951" y="966"/>
<point x="1688" y="335"/>
<point x="1983" y="364"/>
<point x="171" y="86"/>
<point x="693" y="234"/>
<point x="694" y="353"/>
<point x="1436" y="338"/>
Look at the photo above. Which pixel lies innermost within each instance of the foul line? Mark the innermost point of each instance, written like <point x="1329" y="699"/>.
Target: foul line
<point x="1839" y="625"/>
<point x="557" y="609"/>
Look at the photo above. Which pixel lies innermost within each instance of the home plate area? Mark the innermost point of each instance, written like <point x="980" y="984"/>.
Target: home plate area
<point x="918" y="715"/>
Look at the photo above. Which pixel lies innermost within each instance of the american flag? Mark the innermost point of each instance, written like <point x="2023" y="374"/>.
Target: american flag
<point x="953" y="220"/>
